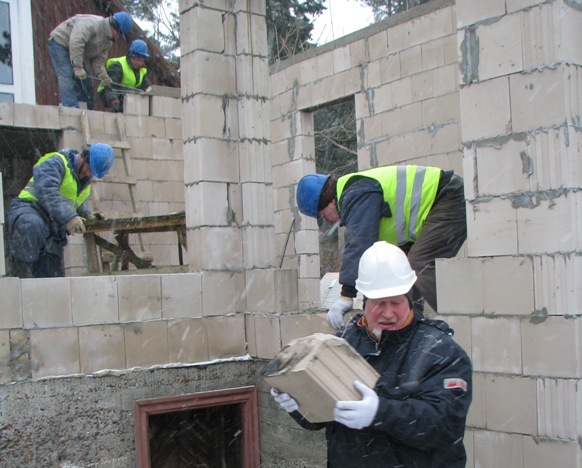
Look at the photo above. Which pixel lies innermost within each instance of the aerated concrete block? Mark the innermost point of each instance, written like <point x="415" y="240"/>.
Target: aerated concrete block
<point x="485" y="109"/>
<point x="182" y="295"/>
<point x="543" y="98"/>
<point x="46" y="302"/>
<point x="223" y="292"/>
<point x="187" y="341"/>
<point x="140" y="297"/>
<point x="54" y="352"/>
<point x="94" y="300"/>
<point x="500" y="48"/>
<point x="496" y="344"/>
<point x="498" y="448"/>
<point x="101" y="347"/>
<point x="504" y="394"/>
<point x="226" y="337"/>
<point x="146" y="344"/>
<point x="469" y="12"/>
<point x="550" y="347"/>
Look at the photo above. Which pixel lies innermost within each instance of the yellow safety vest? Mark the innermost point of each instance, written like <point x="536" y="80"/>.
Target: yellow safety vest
<point x="128" y="73"/>
<point x="410" y="192"/>
<point x="68" y="188"/>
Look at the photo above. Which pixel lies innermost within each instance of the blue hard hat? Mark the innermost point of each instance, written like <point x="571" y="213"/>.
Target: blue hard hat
<point x="101" y="157"/>
<point x="124" y="22"/>
<point x="139" y="47"/>
<point x="308" y="193"/>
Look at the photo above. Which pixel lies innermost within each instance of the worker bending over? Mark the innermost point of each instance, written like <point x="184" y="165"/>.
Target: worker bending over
<point x="52" y="206"/>
<point x="420" y="209"/>
<point x="81" y="41"/>
<point x="416" y="413"/>
<point x="128" y="74"/>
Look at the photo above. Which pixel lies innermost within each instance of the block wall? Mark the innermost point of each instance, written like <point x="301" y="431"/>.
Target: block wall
<point x="519" y="304"/>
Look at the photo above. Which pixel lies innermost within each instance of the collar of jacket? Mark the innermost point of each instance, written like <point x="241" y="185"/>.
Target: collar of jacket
<point x="369" y="346"/>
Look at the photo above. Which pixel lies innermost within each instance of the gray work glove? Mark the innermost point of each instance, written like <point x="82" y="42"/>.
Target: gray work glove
<point x="285" y="401"/>
<point x="358" y="414"/>
<point x="105" y="81"/>
<point x="80" y="73"/>
<point x="96" y="216"/>
<point x="75" y="225"/>
<point x="335" y="315"/>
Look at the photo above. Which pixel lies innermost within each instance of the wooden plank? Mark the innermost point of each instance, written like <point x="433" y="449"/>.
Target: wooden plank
<point x="120" y="179"/>
<point x="113" y="143"/>
<point x="139" y="224"/>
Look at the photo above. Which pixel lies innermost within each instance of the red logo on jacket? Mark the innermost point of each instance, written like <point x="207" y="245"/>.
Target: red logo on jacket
<point x="450" y="384"/>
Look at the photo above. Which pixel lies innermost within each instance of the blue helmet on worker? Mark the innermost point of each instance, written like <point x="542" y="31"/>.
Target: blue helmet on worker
<point x="101" y="157"/>
<point x="122" y="22"/>
<point x="139" y="48"/>
<point x="309" y="192"/>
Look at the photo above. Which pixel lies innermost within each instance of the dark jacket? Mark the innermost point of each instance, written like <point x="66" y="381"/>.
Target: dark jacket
<point x="422" y="411"/>
<point x="51" y="207"/>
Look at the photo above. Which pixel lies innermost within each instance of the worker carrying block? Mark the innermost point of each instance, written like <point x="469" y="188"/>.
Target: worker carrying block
<point x="415" y="413"/>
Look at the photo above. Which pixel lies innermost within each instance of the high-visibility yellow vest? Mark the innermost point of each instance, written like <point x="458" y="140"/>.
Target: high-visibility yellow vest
<point x="68" y="188"/>
<point x="128" y="79"/>
<point x="410" y="192"/>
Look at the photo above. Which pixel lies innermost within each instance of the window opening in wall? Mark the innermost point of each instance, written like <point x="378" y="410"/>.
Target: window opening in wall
<point x="335" y="153"/>
<point x="210" y="429"/>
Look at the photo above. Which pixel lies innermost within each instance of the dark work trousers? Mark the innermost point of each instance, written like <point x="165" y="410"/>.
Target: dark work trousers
<point x="71" y="89"/>
<point x="442" y="235"/>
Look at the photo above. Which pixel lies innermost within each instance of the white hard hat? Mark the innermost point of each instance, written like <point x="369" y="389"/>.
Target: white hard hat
<point x="384" y="271"/>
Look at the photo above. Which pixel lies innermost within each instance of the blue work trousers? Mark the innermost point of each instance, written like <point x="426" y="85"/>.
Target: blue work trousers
<point x="71" y="89"/>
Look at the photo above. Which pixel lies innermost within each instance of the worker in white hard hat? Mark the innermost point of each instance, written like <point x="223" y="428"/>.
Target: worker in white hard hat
<point x="421" y="209"/>
<point x="415" y="415"/>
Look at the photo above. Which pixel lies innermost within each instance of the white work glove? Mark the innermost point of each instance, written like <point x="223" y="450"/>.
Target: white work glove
<point x="360" y="413"/>
<point x="335" y="314"/>
<point x="75" y="225"/>
<point x="285" y="401"/>
<point x="80" y="73"/>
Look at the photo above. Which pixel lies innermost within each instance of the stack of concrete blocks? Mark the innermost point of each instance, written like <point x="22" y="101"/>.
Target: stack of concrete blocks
<point x="515" y="300"/>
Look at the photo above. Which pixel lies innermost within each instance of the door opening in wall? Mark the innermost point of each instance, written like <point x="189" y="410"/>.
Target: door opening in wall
<point x="335" y="153"/>
<point x="210" y="429"/>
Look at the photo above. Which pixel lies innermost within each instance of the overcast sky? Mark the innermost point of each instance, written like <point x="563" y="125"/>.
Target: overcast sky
<point x="341" y="17"/>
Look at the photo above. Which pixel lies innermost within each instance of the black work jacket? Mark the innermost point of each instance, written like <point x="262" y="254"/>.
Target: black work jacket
<point x="423" y="406"/>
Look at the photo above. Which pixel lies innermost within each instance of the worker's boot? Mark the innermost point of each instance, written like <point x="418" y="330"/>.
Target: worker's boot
<point x="19" y="268"/>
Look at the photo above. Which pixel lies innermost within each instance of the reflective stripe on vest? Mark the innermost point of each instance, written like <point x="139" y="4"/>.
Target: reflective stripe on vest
<point x="409" y="191"/>
<point x="68" y="189"/>
<point x="128" y="73"/>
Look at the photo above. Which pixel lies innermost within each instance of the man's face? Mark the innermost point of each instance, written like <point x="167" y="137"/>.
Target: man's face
<point x="137" y="62"/>
<point x="330" y="213"/>
<point x="387" y="313"/>
<point x="84" y="168"/>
